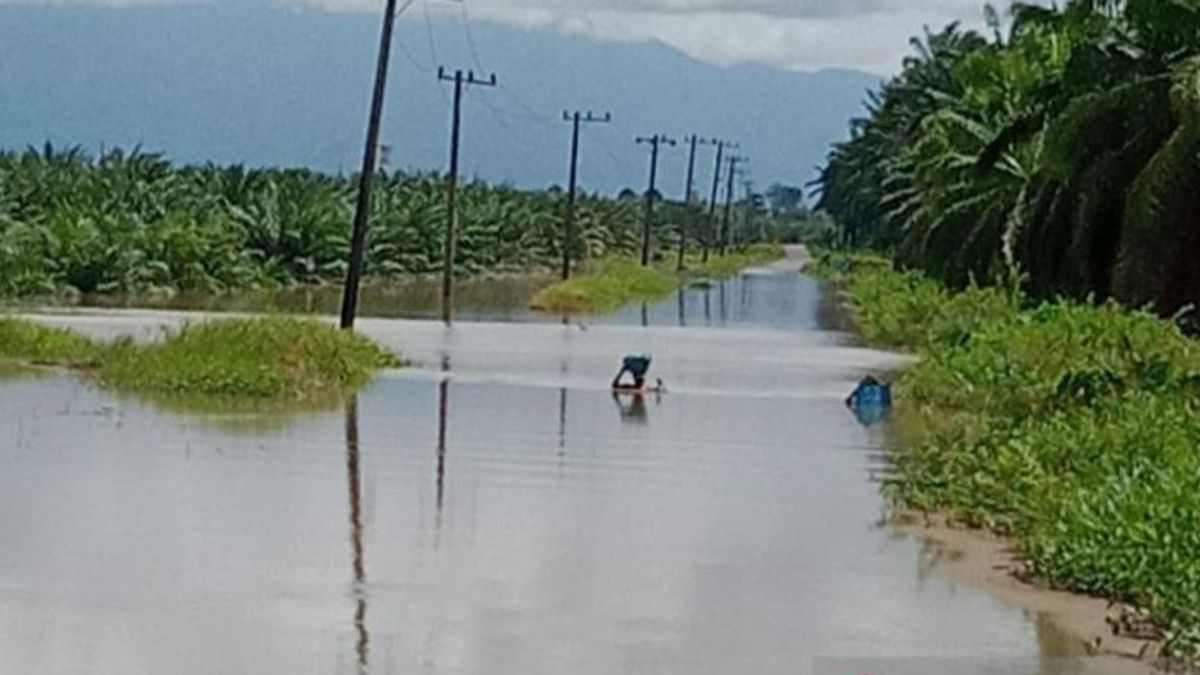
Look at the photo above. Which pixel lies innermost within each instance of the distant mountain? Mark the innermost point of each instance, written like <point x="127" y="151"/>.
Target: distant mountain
<point x="260" y="85"/>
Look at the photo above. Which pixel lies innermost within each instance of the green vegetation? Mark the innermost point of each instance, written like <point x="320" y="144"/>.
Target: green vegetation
<point x="1064" y="152"/>
<point x="31" y="343"/>
<point x="615" y="282"/>
<point x="723" y="266"/>
<point x="1073" y="428"/>
<point x="133" y="224"/>
<point x="280" y="360"/>
<point x="272" y="358"/>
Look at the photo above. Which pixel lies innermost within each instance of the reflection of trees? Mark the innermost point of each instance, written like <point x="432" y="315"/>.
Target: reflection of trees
<point x="356" y="530"/>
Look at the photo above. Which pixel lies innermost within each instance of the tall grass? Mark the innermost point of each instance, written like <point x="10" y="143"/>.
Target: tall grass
<point x="274" y="359"/>
<point x="615" y="283"/>
<point x="609" y="284"/>
<point x="1073" y="428"/>
<point x="24" y="341"/>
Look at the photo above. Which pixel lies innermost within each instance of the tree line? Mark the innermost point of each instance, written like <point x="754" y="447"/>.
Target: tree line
<point x="1061" y="149"/>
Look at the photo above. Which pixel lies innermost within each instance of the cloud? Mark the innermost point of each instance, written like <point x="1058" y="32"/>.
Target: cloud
<point x="869" y="35"/>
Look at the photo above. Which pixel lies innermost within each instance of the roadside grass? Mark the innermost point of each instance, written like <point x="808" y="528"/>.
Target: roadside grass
<point x="615" y="283"/>
<point x="25" y="342"/>
<point x="272" y="360"/>
<point x="1072" y="428"/>
<point x="611" y="283"/>
<point x="724" y="266"/>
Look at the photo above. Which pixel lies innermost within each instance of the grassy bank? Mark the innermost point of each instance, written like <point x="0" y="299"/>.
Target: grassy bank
<point x="611" y="283"/>
<point x="1071" y="428"/>
<point x="273" y="359"/>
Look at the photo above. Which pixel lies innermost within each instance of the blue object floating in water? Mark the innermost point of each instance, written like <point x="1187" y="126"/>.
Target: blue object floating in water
<point x="871" y="401"/>
<point x="873" y="396"/>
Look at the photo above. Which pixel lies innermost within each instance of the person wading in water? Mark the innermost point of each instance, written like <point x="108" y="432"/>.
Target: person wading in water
<point x="636" y="367"/>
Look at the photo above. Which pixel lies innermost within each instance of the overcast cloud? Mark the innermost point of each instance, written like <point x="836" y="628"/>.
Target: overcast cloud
<point x="868" y="35"/>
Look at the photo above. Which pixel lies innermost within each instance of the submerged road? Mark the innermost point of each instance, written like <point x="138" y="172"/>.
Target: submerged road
<point x="493" y="510"/>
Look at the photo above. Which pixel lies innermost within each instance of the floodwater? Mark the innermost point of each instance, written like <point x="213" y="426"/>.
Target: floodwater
<point x="493" y="510"/>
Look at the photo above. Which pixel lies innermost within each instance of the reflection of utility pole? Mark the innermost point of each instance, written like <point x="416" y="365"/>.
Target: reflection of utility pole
<point x="655" y="142"/>
<point x="460" y="81"/>
<point x="443" y="415"/>
<point x="562" y="421"/>
<point x="573" y="188"/>
<point x="356" y="532"/>
<point x="362" y="206"/>
<point x="712" y="201"/>
<point x="733" y="164"/>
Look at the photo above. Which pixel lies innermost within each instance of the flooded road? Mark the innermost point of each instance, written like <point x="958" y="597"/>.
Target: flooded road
<point x="492" y="510"/>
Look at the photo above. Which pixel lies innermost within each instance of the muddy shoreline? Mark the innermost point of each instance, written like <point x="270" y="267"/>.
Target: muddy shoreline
<point x="987" y="561"/>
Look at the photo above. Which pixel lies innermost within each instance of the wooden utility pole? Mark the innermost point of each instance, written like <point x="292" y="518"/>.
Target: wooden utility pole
<point x="712" y="201"/>
<point x="460" y="81"/>
<point x="362" y="206"/>
<point x="692" y="142"/>
<point x="577" y="118"/>
<point x="655" y="143"/>
<point x="748" y="211"/>
<point x="733" y="163"/>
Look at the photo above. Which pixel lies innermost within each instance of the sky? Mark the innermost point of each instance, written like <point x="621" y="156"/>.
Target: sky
<point x="868" y="35"/>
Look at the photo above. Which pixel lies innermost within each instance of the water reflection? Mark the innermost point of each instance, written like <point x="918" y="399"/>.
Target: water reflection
<point x="562" y="421"/>
<point x="353" y="478"/>
<point x="633" y="411"/>
<point x="443" y="413"/>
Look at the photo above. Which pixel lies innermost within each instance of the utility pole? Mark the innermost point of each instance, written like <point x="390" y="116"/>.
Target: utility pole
<point x="748" y="211"/>
<point x="733" y="163"/>
<point x="577" y="118"/>
<point x="362" y="206"/>
<point x="655" y="142"/>
<point x="712" y="201"/>
<point x="460" y="82"/>
<point x="692" y="142"/>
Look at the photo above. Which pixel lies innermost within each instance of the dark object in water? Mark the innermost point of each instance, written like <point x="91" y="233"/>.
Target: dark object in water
<point x="637" y="367"/>
<point x="871" y="401"/>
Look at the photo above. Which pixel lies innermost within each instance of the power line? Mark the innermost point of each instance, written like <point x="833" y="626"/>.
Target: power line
<point x="362" y="207"/>
<point x="461" y="81"/>
<point x="655" y="142"/>
<point x="576" y="119"/>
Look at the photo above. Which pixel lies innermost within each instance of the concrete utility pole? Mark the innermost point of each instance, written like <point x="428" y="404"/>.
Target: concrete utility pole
<point x="654" y="142"/>
<point x="577" y="118"/>
<point x="733" y="164"/>
<point x="362" y="206"/>
<point x="712" y="201"/>
<point x="460" y="82"/>
<point x="692" y="142"/>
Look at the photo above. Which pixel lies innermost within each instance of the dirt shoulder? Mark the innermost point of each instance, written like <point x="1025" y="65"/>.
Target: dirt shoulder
<point x="1091" y="626"/>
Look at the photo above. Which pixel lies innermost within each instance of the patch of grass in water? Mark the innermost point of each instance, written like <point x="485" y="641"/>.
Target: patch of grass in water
<point x="26" y="342"/>
<point x="724" y="266"/>
<point x="267" y="359"/>
<point x="612" y="283"/>
<point x="616" y="283"/>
